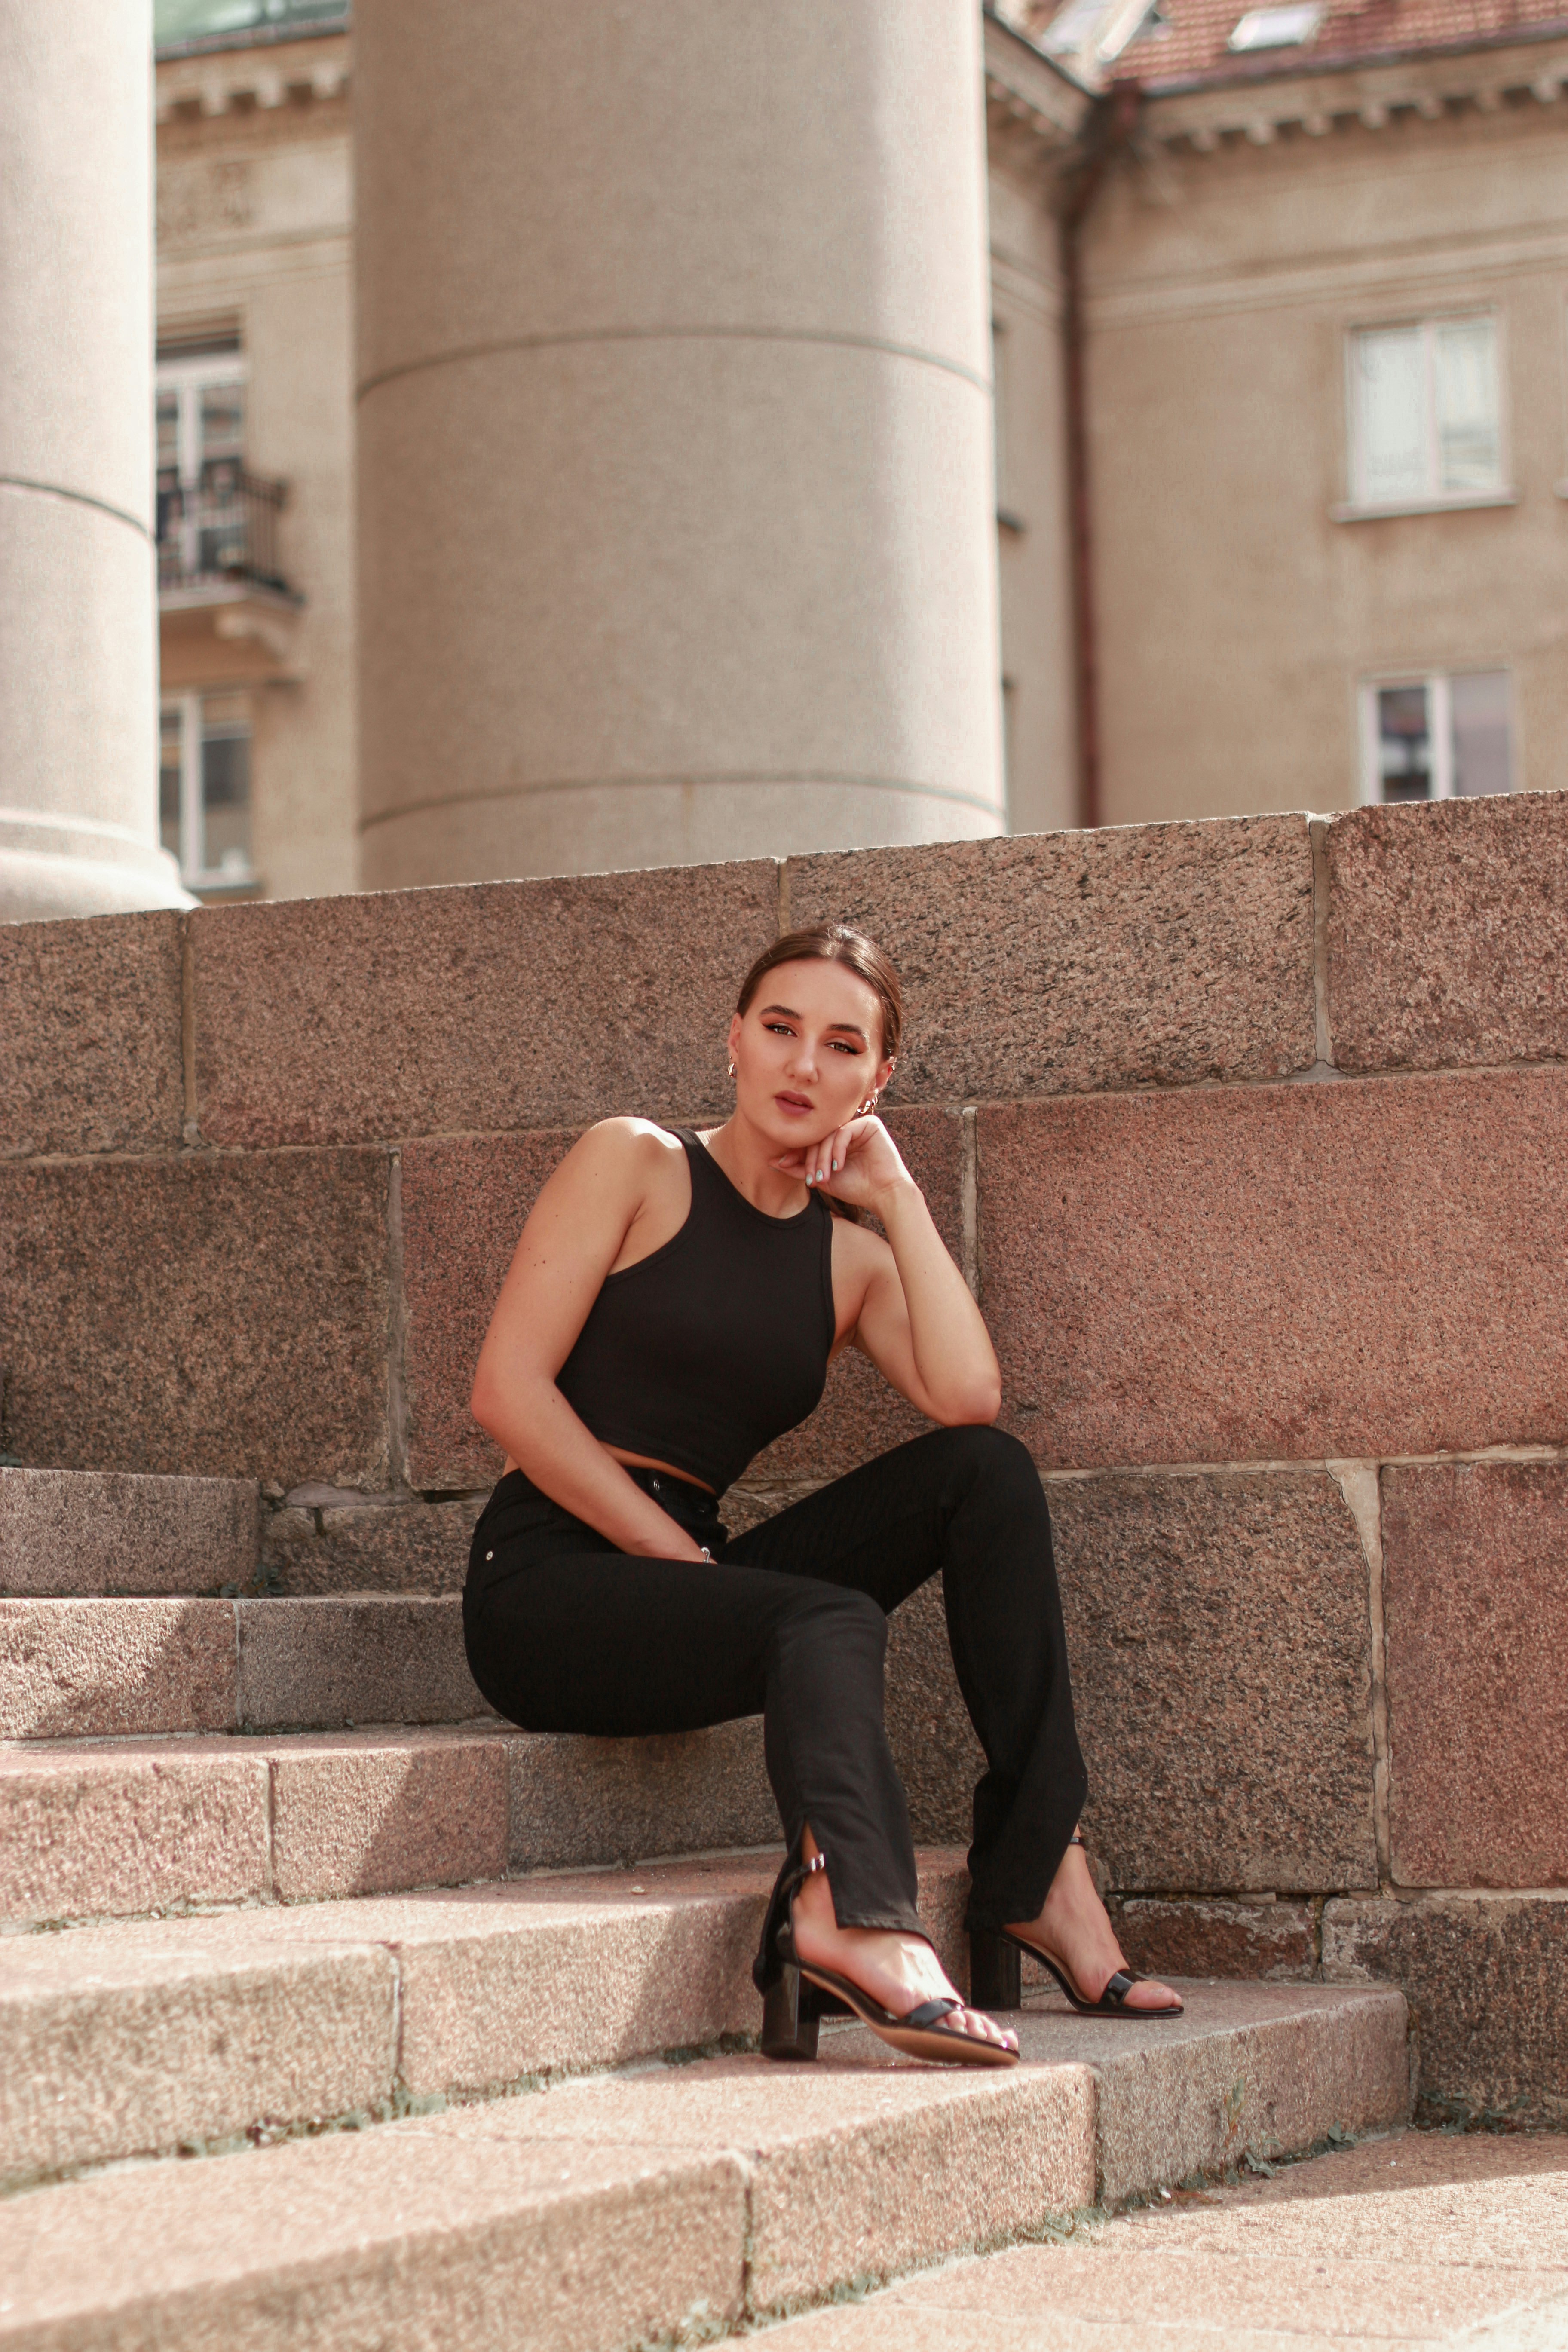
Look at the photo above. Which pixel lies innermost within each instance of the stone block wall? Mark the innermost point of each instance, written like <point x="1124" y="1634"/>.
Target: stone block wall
<point x="1251" y="1136"/>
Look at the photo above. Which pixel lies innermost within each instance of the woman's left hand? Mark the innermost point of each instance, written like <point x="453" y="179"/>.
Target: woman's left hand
<point x="857" y="1164"/>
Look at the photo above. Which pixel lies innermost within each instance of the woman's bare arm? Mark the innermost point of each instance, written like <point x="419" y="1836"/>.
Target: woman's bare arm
<point x="573" y="1238"/>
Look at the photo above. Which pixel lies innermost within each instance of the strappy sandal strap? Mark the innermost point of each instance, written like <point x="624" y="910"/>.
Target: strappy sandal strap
<point x="929" y="2011"/>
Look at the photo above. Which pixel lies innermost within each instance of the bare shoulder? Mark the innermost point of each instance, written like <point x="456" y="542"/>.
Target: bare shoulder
<point x="618" y="1159"/>
<point x="625" y="1142"/>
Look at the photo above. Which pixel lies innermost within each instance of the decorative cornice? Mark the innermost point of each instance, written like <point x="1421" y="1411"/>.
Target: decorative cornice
<point x="1034" y="109"/>
<point x="262" y="76"/>
<point x="1362" y="93"/>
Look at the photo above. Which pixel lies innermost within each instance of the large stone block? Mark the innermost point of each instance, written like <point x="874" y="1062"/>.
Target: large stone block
<point x="1475" y="1575"/>
<point x="218" y="1316"/>
<point x="91" y="1669"/>
<point x="464" y="1205"/>
<point x="577" y="1800"/>
<point x="93" y="1830"/>
<point x="1192" y="1938"/>
<point x="111" y="2048"/>
<point x="433" y="2232"/>
<point x="1448" y="932"/>
<point x="80" y="1531"/>
<point x="1219" y="1634"/>
<point x="328" y="1664"/>
<point x="90" y="1012"/>
<point x="604" y="1976"/>
<point x="1062" y="962"/>
<point x="1251" y="1273"/>
<point x="375" y="1547"/>
<point x="1484" y="1976"/>
<point x="1265" y="2068"/>
<point x="498" y="1004"/>
<point x="350" y="1817"/>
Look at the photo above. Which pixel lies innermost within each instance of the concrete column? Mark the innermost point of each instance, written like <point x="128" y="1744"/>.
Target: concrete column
<point x="674" y="433"/>
<point x="78" y="620"/>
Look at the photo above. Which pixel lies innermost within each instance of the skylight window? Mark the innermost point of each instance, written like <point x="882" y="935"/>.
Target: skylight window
<point x="1277" y="28"/>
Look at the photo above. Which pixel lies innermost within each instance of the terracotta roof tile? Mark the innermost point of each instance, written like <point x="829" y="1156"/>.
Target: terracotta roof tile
<point x="1194" y="41"/>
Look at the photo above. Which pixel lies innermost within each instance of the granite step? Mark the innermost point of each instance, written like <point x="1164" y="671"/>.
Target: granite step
<point x="96" y="1667"/>
<point x="81" y="1533"/>
<point x="669" y="2201"/>
<point x="1424" y="2240"/>
<point x="155" y="2035"/>
<point x="109" y="1828"/>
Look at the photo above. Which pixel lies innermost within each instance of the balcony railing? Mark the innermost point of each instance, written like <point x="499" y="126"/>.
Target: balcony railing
<point x="220" y="533"/>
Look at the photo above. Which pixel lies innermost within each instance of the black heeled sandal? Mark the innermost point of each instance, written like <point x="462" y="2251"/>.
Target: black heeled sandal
<point x="796" y="1999"/>
<point x="995" y="1977"/>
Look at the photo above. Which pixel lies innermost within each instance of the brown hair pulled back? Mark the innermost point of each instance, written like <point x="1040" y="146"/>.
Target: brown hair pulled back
<point x="837" y="943"/>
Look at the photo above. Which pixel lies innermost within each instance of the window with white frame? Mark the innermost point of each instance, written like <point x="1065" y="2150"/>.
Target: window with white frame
<point x="1425" y="413"/>
<point x="204" y="789"/>
<point x="1448" y="736"/>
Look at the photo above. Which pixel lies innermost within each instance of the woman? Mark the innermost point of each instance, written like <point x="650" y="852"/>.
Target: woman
<point x="673" y="1306"/>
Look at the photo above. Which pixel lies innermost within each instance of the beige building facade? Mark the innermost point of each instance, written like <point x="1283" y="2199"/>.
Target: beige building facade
<point x="1328" y="399"/>
<point x="1301" y="544"/>
<point x="255" y="455"/>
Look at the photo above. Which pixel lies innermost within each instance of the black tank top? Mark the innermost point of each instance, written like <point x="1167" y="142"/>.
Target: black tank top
<point x="704" y="1351"/>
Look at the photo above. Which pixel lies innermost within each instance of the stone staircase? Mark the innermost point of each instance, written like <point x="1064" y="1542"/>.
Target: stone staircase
<point x="333" y="2010"/>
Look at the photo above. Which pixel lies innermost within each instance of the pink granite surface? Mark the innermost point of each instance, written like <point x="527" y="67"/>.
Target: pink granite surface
<point x="1483" y="1975"/>
<point x="1236" y="1274"/>
<point x="354" y="1658"/>
<point x="372" y="1547"/>
<point x="76" y="1669"/>
<point x="90" y="1829"/>
<point x="464" y="1205"/>
<point x="114" y="2046"/>
<point x="1268" y="1942"/>
<point x="1414" y="2236"/>
<point x="1220" y="1636"/>
<point x="79" y="1532"/>
<point x="89" y="1014"/>
<point x="1474" y="1592"/>
<point x="379" y="1815"/>
<point x="433" y="2234"/>
<point x="576" y="1800"/>
<point x="500" y="1004"/>
<point x="1448" y="932"/>
<point x="1058" y="962"/>
<point x="206" y="1315"/>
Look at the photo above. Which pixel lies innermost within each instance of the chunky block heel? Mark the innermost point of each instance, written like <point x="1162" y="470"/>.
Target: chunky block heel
<point x="788" y="2031"/>
<point x="796" y="1994"/>
<point x="995" y="1975"/>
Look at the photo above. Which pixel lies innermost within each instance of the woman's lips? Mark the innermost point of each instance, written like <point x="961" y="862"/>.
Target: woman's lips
<point x="791" y="1102"/>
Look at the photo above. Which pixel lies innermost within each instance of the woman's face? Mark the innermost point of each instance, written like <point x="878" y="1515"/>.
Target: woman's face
<point x="807" y="1051"/>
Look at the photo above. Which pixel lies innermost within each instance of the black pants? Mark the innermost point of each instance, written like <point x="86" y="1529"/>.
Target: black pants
<point x="566" y="1633"/>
